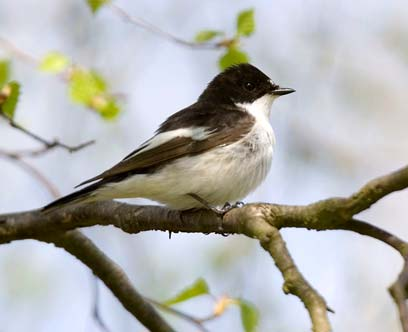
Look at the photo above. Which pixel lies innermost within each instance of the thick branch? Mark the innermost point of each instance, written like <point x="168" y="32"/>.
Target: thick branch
<point x="272" y="241"/>
<point x="377" y="189"/>
<point x="260" y="221"/>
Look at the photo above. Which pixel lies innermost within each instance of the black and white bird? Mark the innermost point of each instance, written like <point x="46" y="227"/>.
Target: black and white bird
<point x="215" y="151"/>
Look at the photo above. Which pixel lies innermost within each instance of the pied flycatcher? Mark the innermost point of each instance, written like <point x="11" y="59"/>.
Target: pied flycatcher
<point x="215" y="151"/>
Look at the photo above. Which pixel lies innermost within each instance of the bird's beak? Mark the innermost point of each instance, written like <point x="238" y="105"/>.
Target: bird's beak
<point x="282" y="91"/>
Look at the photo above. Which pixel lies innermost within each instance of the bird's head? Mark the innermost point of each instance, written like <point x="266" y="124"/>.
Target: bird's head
<point x="243" y="84"/>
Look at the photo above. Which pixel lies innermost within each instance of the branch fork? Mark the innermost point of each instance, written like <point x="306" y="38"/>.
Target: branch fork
<point x="260" y="221"/>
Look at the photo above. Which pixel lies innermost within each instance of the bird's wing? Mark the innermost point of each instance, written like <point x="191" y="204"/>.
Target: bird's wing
<point x="176" y="138"/>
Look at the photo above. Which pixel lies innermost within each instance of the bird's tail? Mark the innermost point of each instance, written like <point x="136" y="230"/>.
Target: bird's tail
<point x="81" y="196"/>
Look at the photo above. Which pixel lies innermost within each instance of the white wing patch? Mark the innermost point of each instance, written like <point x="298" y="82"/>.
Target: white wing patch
<point x="196" y="133"/>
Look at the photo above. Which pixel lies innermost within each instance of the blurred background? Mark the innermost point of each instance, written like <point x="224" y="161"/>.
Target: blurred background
<point x="347" y="123"/>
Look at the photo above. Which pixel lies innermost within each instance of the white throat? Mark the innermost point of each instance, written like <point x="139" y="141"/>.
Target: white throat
<point x="259" y="108"/>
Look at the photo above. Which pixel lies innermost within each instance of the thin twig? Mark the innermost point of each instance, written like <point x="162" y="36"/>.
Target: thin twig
<point x="141" y="23"/>
<point x="47" y="145"/>
<point x="95" y="306"/>
<point x="375" y="232"/>
<point x="23" y="56"/>
<point x="33" y="171"/>
<point x="196" y="321"/>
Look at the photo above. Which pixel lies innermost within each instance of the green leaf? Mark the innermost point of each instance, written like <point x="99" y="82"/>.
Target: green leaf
<point x="233" y="56"/>
<point x="95" y="5"/>
<point x="198" y="288"/>
<point x="11" y="91"/>
<point x="246" y="23"/>
<point x="54" y="62"/>
<point x="111" y="110"/>
<point x="84" y="85"/>
<point x="4" y="71"/>
<point x="106" y="106"/>
<point x="206" y="35"/>
<point x="88" y="88"/>
<point x="249" y="315"/>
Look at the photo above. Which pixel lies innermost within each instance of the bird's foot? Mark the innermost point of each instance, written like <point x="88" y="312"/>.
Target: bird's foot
<point x="238" y="204"/>
<point x="228" y="206"/>
<point x="222" y="211"/>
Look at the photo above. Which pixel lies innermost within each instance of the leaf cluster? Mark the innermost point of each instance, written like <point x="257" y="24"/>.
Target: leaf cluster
<point x="249" y="313"/>
<point x="233" y="54"/>
<point x="86" y="87"/>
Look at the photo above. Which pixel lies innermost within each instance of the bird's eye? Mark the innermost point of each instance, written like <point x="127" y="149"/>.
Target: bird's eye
<point x="249" y="86"/>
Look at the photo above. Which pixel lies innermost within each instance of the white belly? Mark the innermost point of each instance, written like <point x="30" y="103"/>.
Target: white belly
<point x="224" y="174"/>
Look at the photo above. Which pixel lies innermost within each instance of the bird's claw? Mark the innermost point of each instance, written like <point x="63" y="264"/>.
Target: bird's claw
<point x="239" y="204"/>
<point x="227" y="207"/>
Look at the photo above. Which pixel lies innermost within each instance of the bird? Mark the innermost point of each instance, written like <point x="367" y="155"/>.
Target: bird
<point x="211" y="154"/>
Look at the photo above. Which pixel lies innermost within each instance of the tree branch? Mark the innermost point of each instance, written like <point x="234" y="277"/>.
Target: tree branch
<point x="32" y="171"/>
<point x="23" y="56"/>
<point x="260" y="221"/>
<point x="398" y="291"/>
<point x="141" y="23"/>
<point x="47" y="145"/>
<point x="196" y="321"/>
<point x="377" y="189"/>
<point x="112" y="275"/>
<point x="95" y="306"/>
<point x="272" y="241"/>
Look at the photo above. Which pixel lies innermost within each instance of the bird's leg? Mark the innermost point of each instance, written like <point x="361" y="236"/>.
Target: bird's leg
<point x="206" y="204"/>
<point x="227" y="206"/>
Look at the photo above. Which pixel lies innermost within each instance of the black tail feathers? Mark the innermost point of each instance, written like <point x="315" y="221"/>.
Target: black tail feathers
<point x="76" y="197"/>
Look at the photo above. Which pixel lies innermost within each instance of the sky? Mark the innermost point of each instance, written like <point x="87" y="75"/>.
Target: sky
<point x="345" y="125"/>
